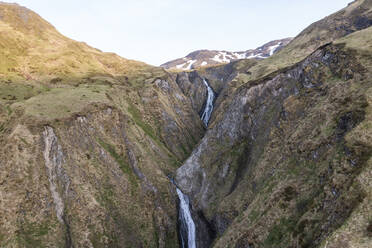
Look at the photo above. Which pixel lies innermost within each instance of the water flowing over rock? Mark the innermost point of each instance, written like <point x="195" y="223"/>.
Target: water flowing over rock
<point x="187" y="225"/>
<point x="53" y="156"/>
<point x="58" y="179"/>
<point x="208" y="105"/>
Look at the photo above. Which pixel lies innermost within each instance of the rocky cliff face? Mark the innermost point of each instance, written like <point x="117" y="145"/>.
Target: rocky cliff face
<point x="275" y="155"/>
<point x="98" y="177"/>
<point x="206" y="58"/>
<point x="88" y="141"/>
<point x="283" y="164"/>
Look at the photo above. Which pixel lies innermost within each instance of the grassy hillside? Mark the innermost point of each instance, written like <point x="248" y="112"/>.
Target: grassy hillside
<point x="32" y="49"/>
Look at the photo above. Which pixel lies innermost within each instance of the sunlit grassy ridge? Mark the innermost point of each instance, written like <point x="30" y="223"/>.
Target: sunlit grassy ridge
<point x="32" y="49"/>
<point x="41" y="70"/>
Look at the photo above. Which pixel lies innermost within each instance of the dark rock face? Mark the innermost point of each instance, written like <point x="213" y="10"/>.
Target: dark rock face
<point x="205" y="233"/>
<point x="362" y="22"/>
<point x="192" y="86"/>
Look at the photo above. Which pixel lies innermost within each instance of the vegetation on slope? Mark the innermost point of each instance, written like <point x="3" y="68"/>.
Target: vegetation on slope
<point x="121" y="128"/>
<point x="288" y="163"/>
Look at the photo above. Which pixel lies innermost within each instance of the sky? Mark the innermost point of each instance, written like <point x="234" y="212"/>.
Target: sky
<point x="156" y="31"/>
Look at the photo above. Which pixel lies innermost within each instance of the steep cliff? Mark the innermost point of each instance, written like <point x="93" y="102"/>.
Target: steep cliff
<point x="286" y="161"/>
<point x="88" y="140"/>
<point x="253" y="154"/>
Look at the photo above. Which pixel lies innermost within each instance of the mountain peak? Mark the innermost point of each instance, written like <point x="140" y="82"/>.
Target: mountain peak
<point x="204" y="57"/>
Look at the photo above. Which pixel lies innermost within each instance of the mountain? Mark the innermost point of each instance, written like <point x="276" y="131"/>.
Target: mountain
<point x="101" y="151"/>
<point x="87" y="142"/>
<point x="286" y="159"/>
<point x="202" y="58"/>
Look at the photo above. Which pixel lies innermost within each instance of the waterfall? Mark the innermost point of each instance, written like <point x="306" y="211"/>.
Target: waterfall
<point x="187" y="225"/>
<point x="206" y="115"/>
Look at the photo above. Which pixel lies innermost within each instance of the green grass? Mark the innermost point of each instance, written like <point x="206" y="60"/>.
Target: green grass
<point x="15" y="92"/>
<point x="31" y="234"/>
<point x="278" y="235"/>
<point x="124" y="166"/>
<point x="2" y="127"/>
<point x="24" y="141"/>
<point x="137" y="118"/>
<point x="253" y="215"/>
<point x="63" y="102"/>
<point x="360" y="40"/>
<point x="10" y="111"/>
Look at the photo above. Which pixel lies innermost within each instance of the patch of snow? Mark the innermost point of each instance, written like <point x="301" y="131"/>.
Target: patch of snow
<point x="221" y="57"/>
<point x="240" y="55"/>
<point x="227" y="57"/>
<point x="190" y="63"/>
<point x="273" y="48"/>
<point x="180" y="66"/>
<point x="258" y="55"/>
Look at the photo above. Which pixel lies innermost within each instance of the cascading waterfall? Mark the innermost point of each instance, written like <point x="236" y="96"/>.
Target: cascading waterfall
<point x="209" y="104"/>
<point x="187" y="225"/>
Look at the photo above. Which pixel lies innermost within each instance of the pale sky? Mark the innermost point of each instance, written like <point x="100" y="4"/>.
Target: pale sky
<point x="156" y="31"/>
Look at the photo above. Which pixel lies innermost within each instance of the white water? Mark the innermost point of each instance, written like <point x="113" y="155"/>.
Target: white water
<point x="209" y="104"/>
<point x="187" y="224"/>
<point x="187" y="228"/>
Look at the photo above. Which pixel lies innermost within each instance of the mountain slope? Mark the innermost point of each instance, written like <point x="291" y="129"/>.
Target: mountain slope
<point x="316" y="35"/>
<point x="276" y="170"/>
<point x="284" y="162"/>
<point x="207" y="57"/>
<point x="32" y="49"/>
<point x="88" y="140"/>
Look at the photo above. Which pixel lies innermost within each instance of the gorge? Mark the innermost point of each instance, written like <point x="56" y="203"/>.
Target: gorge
<point x="272" y="152"/>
